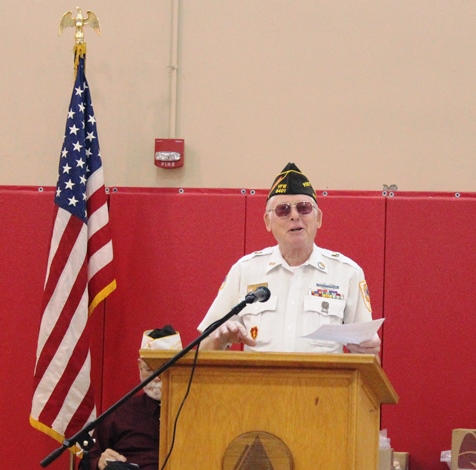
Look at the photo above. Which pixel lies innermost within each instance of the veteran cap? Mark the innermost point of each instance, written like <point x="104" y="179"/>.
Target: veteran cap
<point x="161" y="338"/>
<point x="291" y="181"/>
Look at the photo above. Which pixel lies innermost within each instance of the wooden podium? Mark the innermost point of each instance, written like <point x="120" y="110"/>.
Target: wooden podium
<point x="323" y="408"/>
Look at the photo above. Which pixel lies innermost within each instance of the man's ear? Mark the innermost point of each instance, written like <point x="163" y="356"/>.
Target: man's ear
<point x="267" y="221"/>
<point x="319" y="218"/>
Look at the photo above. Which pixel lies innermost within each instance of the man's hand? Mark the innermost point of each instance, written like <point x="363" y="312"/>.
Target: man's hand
<point x="371" y="346"/>
<point x="109" y="454"/>
<point x="231" y="332"/>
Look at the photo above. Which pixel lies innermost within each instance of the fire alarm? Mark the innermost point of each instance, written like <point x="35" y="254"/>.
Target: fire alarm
<point x="169" y="153"/>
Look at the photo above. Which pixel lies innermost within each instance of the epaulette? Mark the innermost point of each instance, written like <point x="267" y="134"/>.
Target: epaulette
<point x="265" y="251"/>
<point x="335" y="255"/>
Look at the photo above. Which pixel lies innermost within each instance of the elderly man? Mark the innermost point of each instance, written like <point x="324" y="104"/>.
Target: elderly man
<point x="310" y="286"/>
<point x="129" y="437"/>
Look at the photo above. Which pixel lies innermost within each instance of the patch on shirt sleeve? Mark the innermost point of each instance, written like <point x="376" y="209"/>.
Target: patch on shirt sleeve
<point x="223" y="283"/>
<point x="364" y="290"/>
<point x="254" y="332"/>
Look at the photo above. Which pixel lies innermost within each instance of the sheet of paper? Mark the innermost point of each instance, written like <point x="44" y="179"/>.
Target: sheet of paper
<point x="351" y="333"/>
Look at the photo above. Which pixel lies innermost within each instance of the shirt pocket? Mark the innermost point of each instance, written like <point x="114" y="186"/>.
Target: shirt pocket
<point x="320" y="311"/>
<point x="259" y="319"/>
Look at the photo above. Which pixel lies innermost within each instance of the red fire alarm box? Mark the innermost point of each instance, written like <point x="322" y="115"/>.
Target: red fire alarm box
<point x="169" y="153"/>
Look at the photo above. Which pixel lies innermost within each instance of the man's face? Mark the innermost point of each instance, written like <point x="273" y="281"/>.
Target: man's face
<point x="294" y="230"/>
<point x="154" y="388"/>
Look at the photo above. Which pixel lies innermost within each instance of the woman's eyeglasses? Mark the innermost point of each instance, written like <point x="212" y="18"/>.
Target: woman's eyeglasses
<point x="303" y="208"/>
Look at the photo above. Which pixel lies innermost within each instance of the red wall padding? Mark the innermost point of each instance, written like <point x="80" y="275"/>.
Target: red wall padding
<point x="172" y="251"/>
<point x="430" y="336"/>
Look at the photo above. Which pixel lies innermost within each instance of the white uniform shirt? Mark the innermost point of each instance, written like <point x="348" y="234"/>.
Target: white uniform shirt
<point x="328" y="288"/>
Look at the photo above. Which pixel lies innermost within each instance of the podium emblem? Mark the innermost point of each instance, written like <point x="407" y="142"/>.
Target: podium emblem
<point x="257" y="451"/>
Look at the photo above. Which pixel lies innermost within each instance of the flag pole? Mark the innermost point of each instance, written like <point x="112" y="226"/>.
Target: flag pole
<point x="79" y="51"/>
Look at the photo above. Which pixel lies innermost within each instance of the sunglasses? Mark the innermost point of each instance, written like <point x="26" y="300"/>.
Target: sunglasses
<point x="303" y="208"/>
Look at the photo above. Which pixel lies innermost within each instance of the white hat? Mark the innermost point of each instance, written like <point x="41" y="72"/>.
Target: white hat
<point x="163" y="338"/>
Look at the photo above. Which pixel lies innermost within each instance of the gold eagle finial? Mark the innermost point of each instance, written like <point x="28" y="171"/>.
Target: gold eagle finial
<point x="68" y="21"/>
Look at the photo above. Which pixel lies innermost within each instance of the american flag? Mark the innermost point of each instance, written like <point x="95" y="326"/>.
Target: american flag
<point x="79" y="275"/>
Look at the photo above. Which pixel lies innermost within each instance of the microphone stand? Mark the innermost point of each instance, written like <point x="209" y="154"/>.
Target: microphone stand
<point x="84" y="439"/>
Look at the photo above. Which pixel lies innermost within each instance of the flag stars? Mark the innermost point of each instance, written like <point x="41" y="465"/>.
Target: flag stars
<point x="69" y="184"/>
<point x="79" y="152"/>
<point x="72" y="201"/>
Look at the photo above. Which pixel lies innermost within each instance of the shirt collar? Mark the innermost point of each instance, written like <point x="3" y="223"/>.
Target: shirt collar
<point x="316" y="260"/>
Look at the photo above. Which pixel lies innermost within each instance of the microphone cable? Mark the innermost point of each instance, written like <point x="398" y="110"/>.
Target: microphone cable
<point x="181" y="406"/>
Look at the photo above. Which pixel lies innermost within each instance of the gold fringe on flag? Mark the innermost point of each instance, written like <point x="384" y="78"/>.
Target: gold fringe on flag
<point x="74" y="449"/>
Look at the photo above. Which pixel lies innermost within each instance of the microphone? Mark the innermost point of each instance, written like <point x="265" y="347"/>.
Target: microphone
<point x="261" y="294"/>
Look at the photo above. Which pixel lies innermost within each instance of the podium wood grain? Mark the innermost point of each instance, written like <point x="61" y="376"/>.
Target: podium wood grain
<point x="325" y="408"/>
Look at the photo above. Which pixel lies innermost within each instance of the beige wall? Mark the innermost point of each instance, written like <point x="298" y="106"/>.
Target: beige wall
<point x="359" y="93"/>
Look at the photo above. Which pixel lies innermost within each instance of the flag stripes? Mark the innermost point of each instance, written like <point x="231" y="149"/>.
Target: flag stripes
<point x="79" y="275"/>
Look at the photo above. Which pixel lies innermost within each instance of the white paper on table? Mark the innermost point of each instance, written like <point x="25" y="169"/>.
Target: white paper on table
<point x="352" y="333"/>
